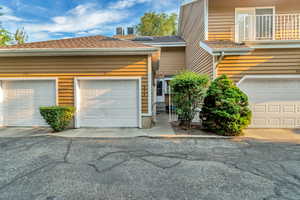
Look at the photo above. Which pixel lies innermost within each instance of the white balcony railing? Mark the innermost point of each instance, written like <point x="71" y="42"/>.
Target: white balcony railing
<point x="268" y="27"/>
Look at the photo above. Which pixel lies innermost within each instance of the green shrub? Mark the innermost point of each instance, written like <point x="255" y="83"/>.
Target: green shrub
<point x="58" y="117"/>
<point x="188" y="91"/>
<point x="225" y="110"/>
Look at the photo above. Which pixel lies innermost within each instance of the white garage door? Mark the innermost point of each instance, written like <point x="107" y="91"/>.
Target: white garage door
<point x="109" y="103"/>
<point x="22" y="99"/>
<point x="275" y="103"/>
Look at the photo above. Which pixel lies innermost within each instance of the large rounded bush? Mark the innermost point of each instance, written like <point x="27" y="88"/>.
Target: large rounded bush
<point x="188" y="91"/>
<point x="226" y="108"/>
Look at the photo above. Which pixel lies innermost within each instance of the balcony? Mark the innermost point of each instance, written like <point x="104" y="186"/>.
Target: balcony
<point x="268" y="27"/>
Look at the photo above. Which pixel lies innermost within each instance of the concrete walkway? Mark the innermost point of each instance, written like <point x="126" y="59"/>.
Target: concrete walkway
<point x="161" y="129"/>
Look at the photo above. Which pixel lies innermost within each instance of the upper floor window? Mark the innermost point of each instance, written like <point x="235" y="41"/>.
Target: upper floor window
<point x="254" y="24"/>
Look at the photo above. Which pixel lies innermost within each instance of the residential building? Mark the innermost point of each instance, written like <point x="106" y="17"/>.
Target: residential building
<point x="109" y="81"/>
<point x="170" y="60"/>
<point x="255" y="43"/>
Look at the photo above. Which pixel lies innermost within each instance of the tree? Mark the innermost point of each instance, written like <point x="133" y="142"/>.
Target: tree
<point x="20" y="36"/>
<point x="226" y="108"/>
<point x="188" y="92"/>
<point x="157" y="24"/>
<point x="5" y="37"/>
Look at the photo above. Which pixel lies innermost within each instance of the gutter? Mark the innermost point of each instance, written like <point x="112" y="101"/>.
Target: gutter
<point x="224" y="51"/>
<point x="76" y="51"/>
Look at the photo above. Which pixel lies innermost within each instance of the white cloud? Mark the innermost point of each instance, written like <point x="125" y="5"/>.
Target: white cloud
<point x="39" y="36"/>
<point x="8" y="15"/>
<point x="121" y="4"/>
<point x="82" y="18"/>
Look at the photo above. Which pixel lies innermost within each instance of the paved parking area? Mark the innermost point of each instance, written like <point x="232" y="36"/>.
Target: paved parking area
<point x="274" y="135"/>
<point x="54" y="168"/>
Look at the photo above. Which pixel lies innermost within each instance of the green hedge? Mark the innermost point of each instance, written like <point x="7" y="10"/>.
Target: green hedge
<point x="188" y="92"/>
<point x="225" y="109"/>
<point x="58" y="117"/>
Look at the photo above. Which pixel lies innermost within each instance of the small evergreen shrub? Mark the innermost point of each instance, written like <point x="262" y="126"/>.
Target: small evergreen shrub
<point x="225" y="110"/>
<point x="188" y="91"/>
<point x="58" y="117"/>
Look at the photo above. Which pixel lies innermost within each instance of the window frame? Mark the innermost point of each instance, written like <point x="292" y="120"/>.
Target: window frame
<point x="237" y="39"/>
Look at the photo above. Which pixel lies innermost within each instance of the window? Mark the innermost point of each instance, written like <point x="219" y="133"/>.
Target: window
<point x="254" y="24"/>
<point x="159" y="90"/>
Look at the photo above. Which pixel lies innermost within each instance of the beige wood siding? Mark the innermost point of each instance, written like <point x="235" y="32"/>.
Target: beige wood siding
<point x="67" y="68"/>
<point x="221" y="24"/>
<point x="192" y="29"/>
<point x="261" y="62"/>
<point x="172" y="60"/>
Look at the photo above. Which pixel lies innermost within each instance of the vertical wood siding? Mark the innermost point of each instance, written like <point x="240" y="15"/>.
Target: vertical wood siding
<point x="192" y="29"/>
<point x="67" y="68"/>
<point x="172" y="60"/>
<point x="221" y="18"/>
<point x="261" y="62"/>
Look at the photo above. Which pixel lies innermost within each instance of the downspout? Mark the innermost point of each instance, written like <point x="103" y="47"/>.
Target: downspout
<point x="216" y="61"/>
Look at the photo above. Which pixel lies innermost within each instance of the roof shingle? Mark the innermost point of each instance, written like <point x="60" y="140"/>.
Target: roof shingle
<point x="158" y="39"/>
<point x="88" y="42"/>
<point x="224" y="44"/>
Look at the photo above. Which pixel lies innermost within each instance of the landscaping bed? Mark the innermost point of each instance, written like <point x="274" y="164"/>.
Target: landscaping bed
<point x="196" y="129"/>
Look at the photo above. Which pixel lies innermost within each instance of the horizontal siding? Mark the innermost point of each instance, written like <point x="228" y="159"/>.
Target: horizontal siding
<point x="221" y="24"/>
<point x="172" y="60"/>
<point x="67" y="68"/>
<point x="192" y="29"/>
<point x="261" y="62"/>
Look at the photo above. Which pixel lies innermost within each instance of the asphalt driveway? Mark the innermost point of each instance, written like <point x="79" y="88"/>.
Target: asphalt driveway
<point x="53" y="168"/>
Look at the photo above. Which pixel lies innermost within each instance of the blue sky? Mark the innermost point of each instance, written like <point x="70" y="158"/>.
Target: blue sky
<point x="54" y="19"/>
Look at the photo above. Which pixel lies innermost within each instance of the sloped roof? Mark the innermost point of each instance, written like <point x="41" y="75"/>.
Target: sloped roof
<point x="160" y="39"/>
<point x="224" y="44"/>
<point x="89" y="42"/>
<point x="217" y="46"/>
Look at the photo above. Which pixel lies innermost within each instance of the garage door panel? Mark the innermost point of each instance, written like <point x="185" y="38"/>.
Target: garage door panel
<point x="274" y="108"/>
<point x="274" y="103"/>
<point x="109" y="103"/>
<point x="22" y="100"/>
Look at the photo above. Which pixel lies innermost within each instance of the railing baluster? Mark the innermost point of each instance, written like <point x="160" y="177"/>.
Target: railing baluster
<point x="270" y="27"/>
<point x="244" y="28"/>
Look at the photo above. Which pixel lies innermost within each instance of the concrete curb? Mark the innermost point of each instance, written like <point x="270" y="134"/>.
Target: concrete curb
<point x="141" y="136"/>
<point x="188" y="137"/>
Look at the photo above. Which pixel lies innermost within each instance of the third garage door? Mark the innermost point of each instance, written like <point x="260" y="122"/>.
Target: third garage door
<point x="275" y="103"/>
<point x="108" y="103"/>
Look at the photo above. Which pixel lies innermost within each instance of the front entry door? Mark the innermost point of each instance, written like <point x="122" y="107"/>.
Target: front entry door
<point x="160" y="94"/>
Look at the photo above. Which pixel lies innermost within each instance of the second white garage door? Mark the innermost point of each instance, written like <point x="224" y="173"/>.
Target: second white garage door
<point x="108" y="103"/>
<point x="22" y="100"/>
<point x="275" y="102"/>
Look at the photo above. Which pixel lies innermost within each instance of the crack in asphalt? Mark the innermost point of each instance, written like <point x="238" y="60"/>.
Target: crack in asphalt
<point x="30" y="173"/>
<point x="106" y="169"/>
<point x="68" y="151"/>
<point x="287" y="180"/>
